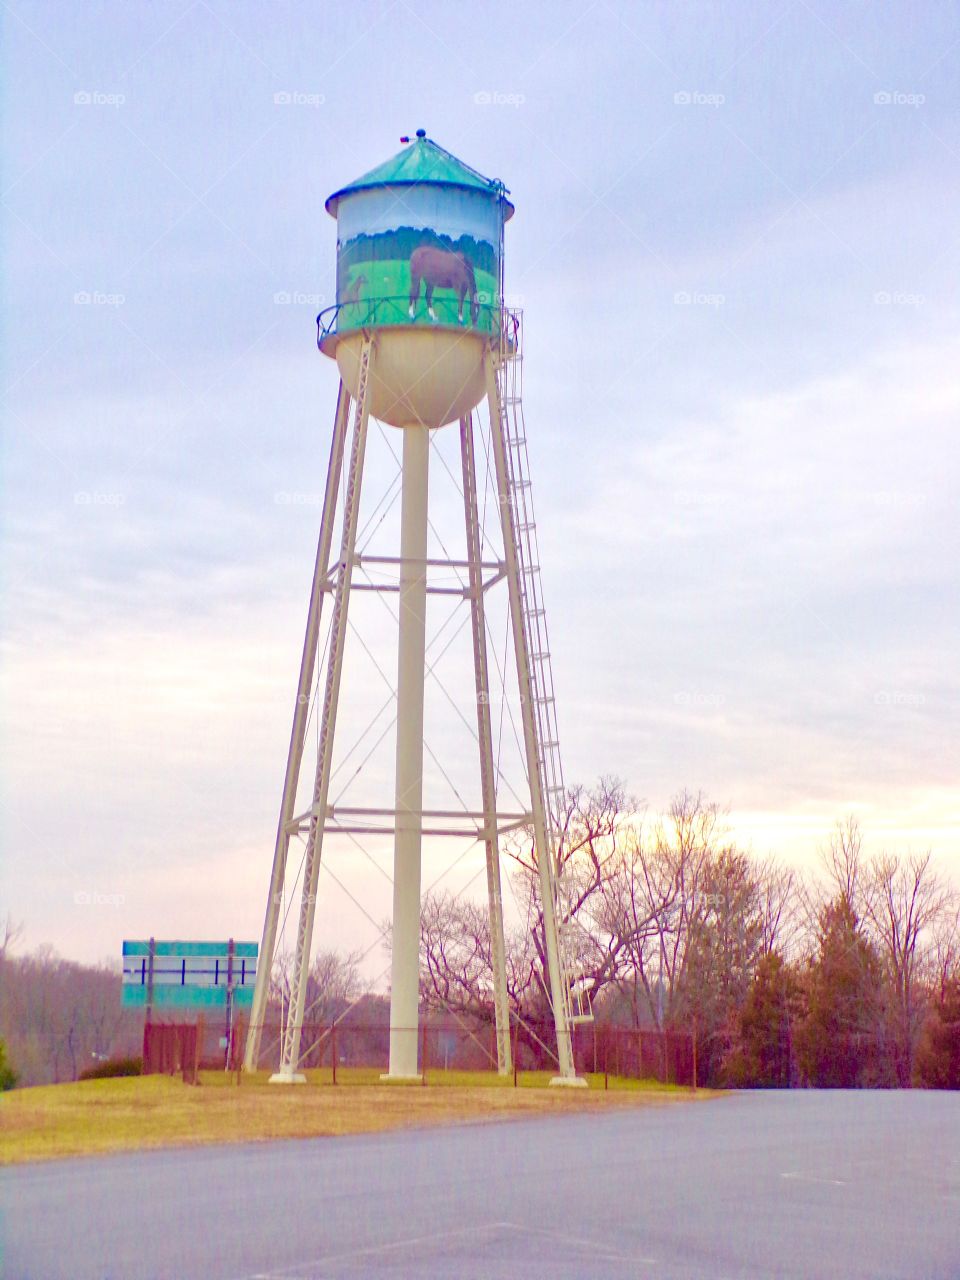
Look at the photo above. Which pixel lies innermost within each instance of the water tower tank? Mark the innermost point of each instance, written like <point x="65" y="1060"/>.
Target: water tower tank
<point x="419" y="263"/>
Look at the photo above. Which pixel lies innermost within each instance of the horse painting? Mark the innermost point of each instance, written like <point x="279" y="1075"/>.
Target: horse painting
<point x="438" y="269"/>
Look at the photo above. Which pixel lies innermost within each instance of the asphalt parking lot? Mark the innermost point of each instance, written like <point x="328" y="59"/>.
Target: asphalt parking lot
<point x="807" y="1185"/>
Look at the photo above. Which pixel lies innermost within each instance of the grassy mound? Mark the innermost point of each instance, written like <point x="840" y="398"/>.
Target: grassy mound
<point x="127" y="1114"/>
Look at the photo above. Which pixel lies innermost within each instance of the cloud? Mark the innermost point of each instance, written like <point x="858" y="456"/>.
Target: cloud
<point x="768" y="588"/>
<point x="741" y="411"/>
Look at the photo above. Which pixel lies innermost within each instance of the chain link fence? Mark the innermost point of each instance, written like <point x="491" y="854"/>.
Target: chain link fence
<point x="449" y="1045"/>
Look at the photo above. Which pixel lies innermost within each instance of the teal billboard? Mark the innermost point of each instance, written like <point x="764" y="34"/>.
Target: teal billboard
<point x="188" y="975"/>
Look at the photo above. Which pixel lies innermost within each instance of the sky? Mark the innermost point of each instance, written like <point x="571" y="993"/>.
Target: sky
<point x="736" y="252"/>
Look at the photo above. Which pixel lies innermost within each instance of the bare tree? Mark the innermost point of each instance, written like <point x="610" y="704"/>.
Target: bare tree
<point x="944" y="960"/>
<point x="631" y="914"/>
<point x="842" y="860"/>
<point x="456" y="970"/>
<point x="57" y="1017"/>
<point x="904" y="900"/>
<point x="685" y="841"/>
<point x="841" y="867"/>
<point x="597" y="826"/>
<point x="11" y="931"/>
<point x="456" y="967"/>
<point x="651" y="897"/>
<point x="333" y="981"/>
<point x="780" y="903"/>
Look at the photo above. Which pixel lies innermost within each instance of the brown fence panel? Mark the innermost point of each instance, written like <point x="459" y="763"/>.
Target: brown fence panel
<point x="172" y="1048"/>
<point x="646" y="1054"/>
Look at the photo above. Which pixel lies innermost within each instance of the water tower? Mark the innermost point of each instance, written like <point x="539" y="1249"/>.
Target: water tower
<point x="420" y="336"/>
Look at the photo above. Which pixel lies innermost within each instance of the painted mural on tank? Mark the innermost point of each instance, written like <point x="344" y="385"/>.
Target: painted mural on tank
<point x="425" y="254"/>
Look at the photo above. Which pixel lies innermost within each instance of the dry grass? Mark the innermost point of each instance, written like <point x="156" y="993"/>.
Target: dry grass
<point x="98" y="1116"/>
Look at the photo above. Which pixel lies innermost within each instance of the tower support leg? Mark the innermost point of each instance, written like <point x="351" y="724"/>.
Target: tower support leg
<point x="532" y="748"/>
<point x="485" y="738"/>
<point x="308" y="662"/>
<point x="290" y="1055"/>
<point x="405" y="959"/>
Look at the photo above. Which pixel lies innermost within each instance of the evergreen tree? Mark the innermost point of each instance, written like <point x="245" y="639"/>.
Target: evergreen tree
<point x="938" y="1065"/>
<point x="840" y="1039"/>
<point x="763" y="1055"/>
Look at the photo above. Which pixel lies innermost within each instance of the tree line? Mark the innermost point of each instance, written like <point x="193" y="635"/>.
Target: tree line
<point x="845" y="975"/>
<point x="58" y="1018"/>
<point x="848" y="976"/>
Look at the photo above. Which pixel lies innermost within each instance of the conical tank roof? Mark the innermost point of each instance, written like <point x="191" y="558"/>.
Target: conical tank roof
<point x="423" y="162"/>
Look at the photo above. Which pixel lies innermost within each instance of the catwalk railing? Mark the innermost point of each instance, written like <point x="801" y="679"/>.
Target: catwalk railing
<point x="489" y="319"/>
